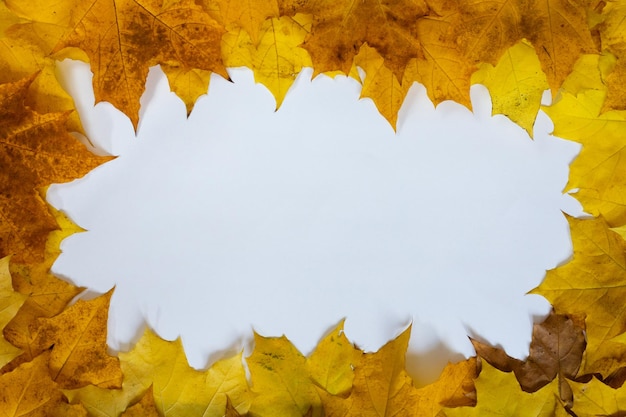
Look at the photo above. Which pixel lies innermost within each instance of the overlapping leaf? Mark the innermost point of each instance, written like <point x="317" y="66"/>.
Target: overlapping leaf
<point x="520" y="49"/>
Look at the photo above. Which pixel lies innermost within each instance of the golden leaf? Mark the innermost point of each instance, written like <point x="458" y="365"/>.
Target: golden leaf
<point x="498" y="394"/>
<point x="35" y="150"/>
<point x="10" y="302"/>
<point x="280" y="380"/>
<point x="381" y="385"/>
<point x="597" y="170"/>
<point x="331" y="363"/>
<point x="516" y="84"/>
<point x="276" y="59"/>
<point x="593" y="284"/>
<point x="178" y="388"/>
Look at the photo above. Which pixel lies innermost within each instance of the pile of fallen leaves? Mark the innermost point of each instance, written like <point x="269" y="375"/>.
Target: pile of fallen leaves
<point x="53" y="352"/>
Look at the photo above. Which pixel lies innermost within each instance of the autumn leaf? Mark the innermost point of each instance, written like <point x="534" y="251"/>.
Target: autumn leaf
<point x="178" y="388"/>
<point x="557" y="29"/>
<point x="556" y="350"/>
<point x="280" y="380"/>
<point x="331" y="363"/>
<point x="35" y="150"/>
<point x="593" y="285"/>
<point x="10" y="302"/>
<point x="380" y="84"/>
<point x="516" y="84"/>
<point x="454" y="388"/>
<point x="20" y="57"/>
<point x="612" y="29"/>
<point x="77" y="339"/>
<point x="122" y="39"/>
<point x="29" y="390"/>
<point x="47" y="294"/>
<point x="594" y="398"/>
<point x="340" y="28"/>
<point x="144" y="408"/>
<point x="596" y="171"/>
<point x="249" y="15"/>
<point x="381" y="385"/>
<point x="276" y="58"/>
<point x="498" y="394"/>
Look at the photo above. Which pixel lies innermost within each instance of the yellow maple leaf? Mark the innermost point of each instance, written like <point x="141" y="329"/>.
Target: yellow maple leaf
<point x="516" y="84"/>
<point x="597" y="170"/>
<point x="454" y="388"/>
<point x="380" y="84"/>
<point x="280" y="380"/>
<point x="276" y="58"/>
<point x="331" y="363"/>
<point x="593" y="285"/>
<point x="499" y="394"/>
<point x="595" y="398"/>
<point x="381" y="385"/>
<point x="10" y="302"/>
<point x="177" y="387"/>
<point x="145" y="407"/>
<point x="249" y="15"/>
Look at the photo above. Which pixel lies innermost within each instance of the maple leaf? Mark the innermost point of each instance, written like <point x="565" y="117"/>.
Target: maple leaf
<point x="280" y="380"/>
<point x="122" y="39"/>
<point x="47" y="295"/>
<point x="594" y="398"/>
<point x="498" y="394"/>
<point x="331" y="363"/>
<point x="29" y="390"/>
<point x="612" y="29"/>
<point x="249" y="15"/>
<point x="77" y="337"/>
<point x="556" y="350"/>
<point x="340" y="28"/>
<point x="10" y="302"/>
<point x="558" y="30"/>
<point x="593" y="285"/>
<point x="35" y="150"/>
<point x="381" y="385"/>
<point x="21" y="57"/>
<point x="516" y="84"/>
<point x="596" y="171"/>
<point x="454" y="388"/>
<point x="145" y="407"/>
<point x="276" y="58"/>
<point x="178" y="388"/>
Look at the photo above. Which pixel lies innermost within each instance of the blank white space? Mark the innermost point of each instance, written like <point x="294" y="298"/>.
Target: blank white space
<point x="286" y="222"/>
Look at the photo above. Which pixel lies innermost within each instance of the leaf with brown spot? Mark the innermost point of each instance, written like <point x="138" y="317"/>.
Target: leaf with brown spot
<point x="381" y="385"/>
<point x="331" y="363"/>
<point x="123" y="38"/>
<point x="281" y="380"/>
<point x="29" y="391"/>
<point x="35" y="150"/>
<point x="277" y="58"/>
<point x="341" y="27"/>
<point x="47" y="294"/>
<point x="556" y="350"/>
<point x="77" y="337"/>
<point x="593" y="285"/>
